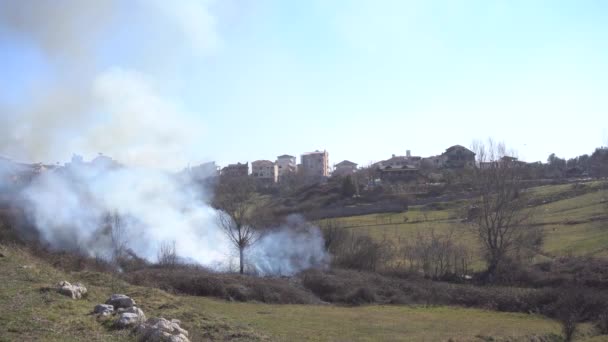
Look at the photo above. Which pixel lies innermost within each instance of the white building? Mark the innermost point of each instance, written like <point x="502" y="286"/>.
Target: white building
<point x="344" y="168"/>
<point x="315" y="164"/>
<point x="264" y="170"/>
<point x="286" y="164"/>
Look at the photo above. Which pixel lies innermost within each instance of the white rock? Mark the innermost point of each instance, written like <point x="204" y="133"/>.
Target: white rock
<point x="75" y="291"/>
<point x="103" y="309"/>
<point x="130" y="319"/>
<point x="161" y="330"/>
<point x="120" y="301"/>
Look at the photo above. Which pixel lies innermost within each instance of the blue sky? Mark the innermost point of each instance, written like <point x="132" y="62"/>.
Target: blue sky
<point x="361" y="79"/>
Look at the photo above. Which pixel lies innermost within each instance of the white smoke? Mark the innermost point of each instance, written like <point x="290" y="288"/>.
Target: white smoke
<point x="86" y="105"/>
<point x="68" y="206"/>
<point x="123" y="110"/>
<point x="295" y="246"/>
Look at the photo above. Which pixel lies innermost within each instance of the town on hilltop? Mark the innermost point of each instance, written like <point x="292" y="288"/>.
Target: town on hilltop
<point x="315" y="167"/>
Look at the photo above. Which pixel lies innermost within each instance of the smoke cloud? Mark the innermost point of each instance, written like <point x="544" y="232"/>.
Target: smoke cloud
<point x="87" y="102"/>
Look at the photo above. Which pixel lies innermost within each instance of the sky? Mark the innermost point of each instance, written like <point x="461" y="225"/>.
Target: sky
<point x="167" y="84"/>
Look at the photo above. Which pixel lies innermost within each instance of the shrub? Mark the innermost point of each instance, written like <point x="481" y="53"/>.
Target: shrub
<point x="602" y="323"/>
<point x="362" y="295"/>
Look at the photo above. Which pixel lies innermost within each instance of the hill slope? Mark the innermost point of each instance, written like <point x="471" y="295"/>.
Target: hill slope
<point x="30" y="314"/>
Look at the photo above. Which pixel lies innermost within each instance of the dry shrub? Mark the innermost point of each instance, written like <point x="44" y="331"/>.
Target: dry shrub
<point x="197" y="281"/>
<point x="362" y="295"/>
<point x="437" y="256"/>
<point x="602" y="323"/>
<point x="353" y="251"/>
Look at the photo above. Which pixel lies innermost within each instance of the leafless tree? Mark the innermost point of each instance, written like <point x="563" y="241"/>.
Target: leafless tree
<point x="437" y="255"/>
<point x="502" y="217"/>
<point x="167" y="254"/>
<point x="113" y="225"/>
<point x="239" y="217"/>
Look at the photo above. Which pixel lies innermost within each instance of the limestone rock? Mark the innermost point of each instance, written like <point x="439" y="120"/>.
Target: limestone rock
<point x="161" y="330"/>
<point x="130" y="317"/>
<point x="120" y="301"/>
<point x="75" y="291"/>
<point x="103" y="309"/>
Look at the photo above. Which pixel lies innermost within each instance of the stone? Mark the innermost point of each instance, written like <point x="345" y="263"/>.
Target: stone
<point x="130" y="318"/>
<point x="126" y="320"/>
<point x="75" y="291"/>
<point x="120" y="301"/>
<point x="103" y="309"/>
<point x="161" y="330"/>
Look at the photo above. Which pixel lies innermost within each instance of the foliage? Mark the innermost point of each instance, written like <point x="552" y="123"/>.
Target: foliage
<point x="348" y="187"/>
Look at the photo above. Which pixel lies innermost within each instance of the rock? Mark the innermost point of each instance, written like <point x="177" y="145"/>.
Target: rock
<point x="126" y="320"/>
<point x="103" y="309"/>
<point x="130" y="318"/>
<point x="120" y="301"/>
<point x="161" y="330"/>
<point x="133" y="309"/>
<point x="75" y="291"/>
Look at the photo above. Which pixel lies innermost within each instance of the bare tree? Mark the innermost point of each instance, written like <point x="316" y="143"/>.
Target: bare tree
<point x="437" y="255"/>
<point x="501" y="217"/>
<point x="113" y="225"/>
<point x="167" y="254"/>
<point x="237" y="201"/>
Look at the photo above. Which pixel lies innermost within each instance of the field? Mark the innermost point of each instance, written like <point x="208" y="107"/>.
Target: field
<point x="30" y="314"/>
<point x="574" y="219"/>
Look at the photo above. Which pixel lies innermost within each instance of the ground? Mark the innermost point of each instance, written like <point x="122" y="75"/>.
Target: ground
<point x="574" y="218"/>
<point x="574" y="221"/>
<point x="31" y="313"/>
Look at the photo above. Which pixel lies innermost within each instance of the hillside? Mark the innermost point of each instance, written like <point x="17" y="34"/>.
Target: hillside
<point x="574" y="218"/>
<point x="30" y="314"/>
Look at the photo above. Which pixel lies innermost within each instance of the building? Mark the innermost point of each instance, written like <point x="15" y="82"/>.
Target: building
<point x="315" y="164"/>
<point x="404" y="174"/>
<point x="286" y="165"/>
<point x="399" y="162"/>
<point x="203" y="171"/>
<point x="433" y="162"/>
<point x="503" y="161"/>
<point x="458" y="157"/>
<point x="344" y="168"/>
<point x="235" y="170"/>
<point x="264" y="170"/>
<point x="398" y="168"/>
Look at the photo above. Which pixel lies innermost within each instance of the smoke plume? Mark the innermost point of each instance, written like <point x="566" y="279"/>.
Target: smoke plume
<point x="91" y="101"/>
<point x="88" y="103"/>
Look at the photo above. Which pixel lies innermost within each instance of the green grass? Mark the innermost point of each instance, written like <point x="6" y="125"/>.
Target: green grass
<point x="382" y="323"/>
<point x="31" y="315"/>
<point x="574" y="225"/>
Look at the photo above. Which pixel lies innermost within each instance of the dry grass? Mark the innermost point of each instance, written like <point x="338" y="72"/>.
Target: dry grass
<point x="32" y="315"/>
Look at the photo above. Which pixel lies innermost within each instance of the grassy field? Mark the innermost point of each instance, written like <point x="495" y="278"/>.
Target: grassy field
<point x="574" y="219"/>
<point x="573" y="224"/>
<point x="29" y="314"/>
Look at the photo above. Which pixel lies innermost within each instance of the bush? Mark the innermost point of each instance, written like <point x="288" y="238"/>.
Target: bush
<point x="362" y="295"/>
<point x="602" y="323"/>
<point x="197" y="281"/>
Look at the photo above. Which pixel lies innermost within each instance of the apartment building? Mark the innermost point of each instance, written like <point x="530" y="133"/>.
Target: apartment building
<point x="315" y="164"/>
<point x="264" y="170"/>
